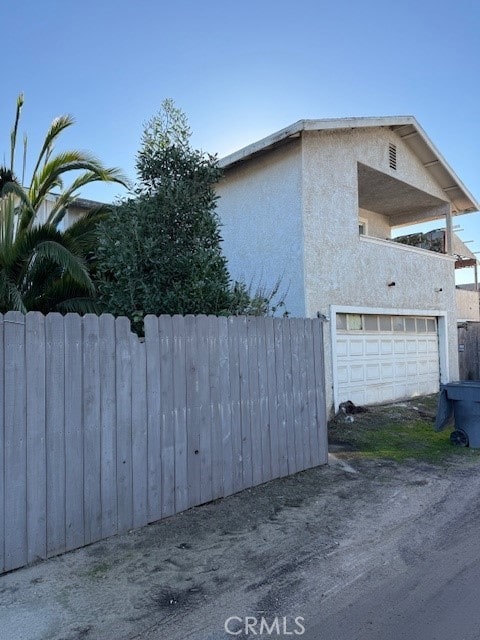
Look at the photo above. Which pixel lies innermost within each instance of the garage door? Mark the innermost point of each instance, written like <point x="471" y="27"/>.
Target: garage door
<point x="385" y="357"/>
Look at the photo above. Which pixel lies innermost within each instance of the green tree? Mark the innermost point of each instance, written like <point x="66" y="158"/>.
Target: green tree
<point x="160" y="250"/>
<point x="41" y="267"/>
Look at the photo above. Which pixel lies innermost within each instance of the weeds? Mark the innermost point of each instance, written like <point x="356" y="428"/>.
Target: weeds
<point x="396" y="432"/>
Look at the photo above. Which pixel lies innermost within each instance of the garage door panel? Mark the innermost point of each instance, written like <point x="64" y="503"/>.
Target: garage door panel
<point x="381" y="367"/>
<point x="342" y="347"/>
<point x="342" y="374"/>
<point x="358" y="396"/>
<point x="356" y="347"/>
<point x="432" y="347"/>
<point x="386" y="369"/>
<point x="372" y="347"/>
<point x="411" y="346"/>
<point x="423" y="367"/>
<point x="399" y="346"/>
<point x="372" y="372"/>
<point x="423" y="387"/>
<point x="386" y="347"/>
<point x="372" y="395"/>
<point x="422" y="346"/>
<point x="401" y="391"/>
<point x="386" y="393"/>
<point x="400" y="370"/>
<point x="356" y="373"/>
<point x="412" y="389"/>
<point x="411" y="369"/>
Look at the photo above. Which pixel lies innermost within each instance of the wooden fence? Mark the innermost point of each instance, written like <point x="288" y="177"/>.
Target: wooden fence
<point x="102" y="432"/>
<point x="469" y="350"/>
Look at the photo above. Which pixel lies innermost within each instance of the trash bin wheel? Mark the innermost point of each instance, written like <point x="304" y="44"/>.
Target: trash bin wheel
<point x="459" y="438"/>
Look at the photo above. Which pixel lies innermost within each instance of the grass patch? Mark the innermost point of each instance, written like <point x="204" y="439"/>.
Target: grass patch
<point x="396" y="432"/>
<point x="98" y="571"/>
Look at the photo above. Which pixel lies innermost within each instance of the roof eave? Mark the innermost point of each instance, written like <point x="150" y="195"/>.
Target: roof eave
<point x="295" y="129"/>
<point x="262" y="145"/>
<point x="311" y="125"/>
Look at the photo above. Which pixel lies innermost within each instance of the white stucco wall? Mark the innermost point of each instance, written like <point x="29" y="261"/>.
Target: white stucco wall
<point x="378" y="225"/>
<point x="467" y="305"/>
<point x="73" y="214"/>
<point x="260" y="209"/>
<point x="342" y="268"/>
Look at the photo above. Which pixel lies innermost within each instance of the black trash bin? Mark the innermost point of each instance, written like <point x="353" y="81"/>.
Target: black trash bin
<point x="462" y="400"/>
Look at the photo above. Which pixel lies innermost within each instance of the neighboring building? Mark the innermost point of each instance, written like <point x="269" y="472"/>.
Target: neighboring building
<point x="467" y="296"/>
<point x="78" y="208"/>
<point x="468" y="303"/>
<point x="316" y="204"/>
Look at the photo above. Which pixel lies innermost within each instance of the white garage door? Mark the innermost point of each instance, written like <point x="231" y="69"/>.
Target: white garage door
<point x="384" y="357"/>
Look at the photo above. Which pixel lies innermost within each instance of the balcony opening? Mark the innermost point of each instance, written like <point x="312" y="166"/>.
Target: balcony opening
<point x="387" y="204"/>
<point x="390" y="209"/>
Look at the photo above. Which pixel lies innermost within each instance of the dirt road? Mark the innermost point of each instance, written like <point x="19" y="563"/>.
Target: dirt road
<point x="429" y="587"/>
<point x="434" y="598"/>
<point x="299" y="546"/>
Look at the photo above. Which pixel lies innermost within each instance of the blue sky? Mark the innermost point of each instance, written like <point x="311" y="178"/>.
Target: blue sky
<point x="241" y="70"/>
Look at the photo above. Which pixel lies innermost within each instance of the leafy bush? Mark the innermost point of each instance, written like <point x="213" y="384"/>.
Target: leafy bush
<point x="160" y="250"/>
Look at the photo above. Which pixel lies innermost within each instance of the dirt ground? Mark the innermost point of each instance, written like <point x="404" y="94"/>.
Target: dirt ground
<point x="266" y="551"/>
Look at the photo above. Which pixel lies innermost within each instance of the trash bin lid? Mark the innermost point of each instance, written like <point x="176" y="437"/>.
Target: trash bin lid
<point x="468" y="390"/>
<point x="444" y="411"/>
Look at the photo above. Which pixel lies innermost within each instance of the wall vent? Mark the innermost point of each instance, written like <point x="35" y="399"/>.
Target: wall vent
<point x="392" y="156"/>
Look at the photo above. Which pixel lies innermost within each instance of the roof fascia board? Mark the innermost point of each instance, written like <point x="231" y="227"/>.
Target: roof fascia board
<point x="311" y="125"/>
<point x="261" y="145"/>
<point x="444" y="163"/>
<point x="342" y="124"/>
<point x="358" y="123"/>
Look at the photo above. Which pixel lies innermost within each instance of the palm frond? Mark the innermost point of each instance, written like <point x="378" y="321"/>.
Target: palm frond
<point x="78" y="305"/>
<point x="38" y="286"/>
<point x="58" y="125"/>
<point x="41" y="267"/>
<point x="24" y="159"/>
<point x="7" y="221"/>
<point x="47" y="179"/>
<point x="60" y="207"/>
<point x="45" y="243"/>
<point x="10" y="296"/>
<point x="6" y="176"/>
<point x="26" y="213"/>
<point x="61" y="294"/>
<point x="19" y="257"/>
<point x="66" y="198"/>
<point x="83" y="233"/>
<point x="73" y="265"/>
<point x="13" y="135"/>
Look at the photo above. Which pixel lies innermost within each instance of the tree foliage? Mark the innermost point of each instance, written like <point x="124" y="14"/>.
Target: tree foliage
<point x="41" y="267"/>
<point x="159" y="251"/>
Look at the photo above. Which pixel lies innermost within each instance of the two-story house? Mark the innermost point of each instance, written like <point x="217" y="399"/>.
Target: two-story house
<point x="316" y="205"/>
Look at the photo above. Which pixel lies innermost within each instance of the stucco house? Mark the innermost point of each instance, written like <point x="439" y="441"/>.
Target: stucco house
<point x="317" y="204"/>
<point x="76" y="210"/>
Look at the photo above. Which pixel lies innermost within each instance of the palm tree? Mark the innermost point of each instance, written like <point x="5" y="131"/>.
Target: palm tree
<point x="41" y="267"/>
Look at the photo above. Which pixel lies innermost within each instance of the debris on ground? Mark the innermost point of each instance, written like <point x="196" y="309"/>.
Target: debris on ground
<point x="349" y="407"/>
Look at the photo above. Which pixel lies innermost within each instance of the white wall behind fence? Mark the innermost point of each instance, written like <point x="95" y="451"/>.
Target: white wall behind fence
<point x="101" y="432"/>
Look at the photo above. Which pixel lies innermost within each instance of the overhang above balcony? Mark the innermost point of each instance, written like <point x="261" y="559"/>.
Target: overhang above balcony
<point x="401" y="202"/>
